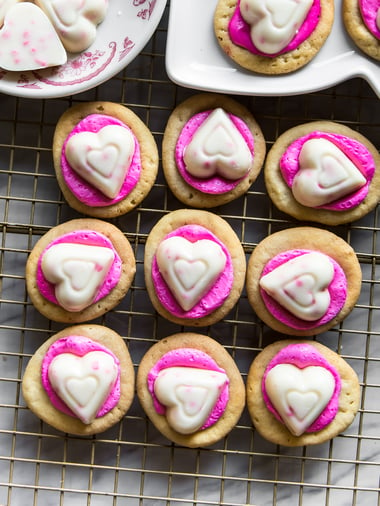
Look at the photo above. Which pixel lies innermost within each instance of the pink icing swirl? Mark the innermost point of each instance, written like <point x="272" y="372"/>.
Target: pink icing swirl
<point x="83" y="190"/>
<point x="369" y="10"/>
<point x="188" y="357"/>
<point x="304" y="355"/>
<point x="337" y="290"/>
<point x="80" y="346"/>
<point x="353" y="149"/>
<point x="90" y="238"/>
<point x="217" y="293"/>
<point x="239" y="30"/>
<point x="215" y="184"/>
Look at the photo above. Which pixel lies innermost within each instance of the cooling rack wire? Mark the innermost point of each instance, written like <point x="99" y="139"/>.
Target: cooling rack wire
<point x="131" y="464"/>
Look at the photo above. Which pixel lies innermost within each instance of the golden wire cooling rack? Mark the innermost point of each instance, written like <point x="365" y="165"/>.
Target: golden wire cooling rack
<point x="131" y="464"/>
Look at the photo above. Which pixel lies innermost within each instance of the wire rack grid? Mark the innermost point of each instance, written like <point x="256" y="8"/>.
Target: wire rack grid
<point x="131" y="463"/>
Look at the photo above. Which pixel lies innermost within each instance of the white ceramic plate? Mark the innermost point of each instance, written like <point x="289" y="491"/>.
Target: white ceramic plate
<point x="194" y="58"/>
<point x="128" y="26"/>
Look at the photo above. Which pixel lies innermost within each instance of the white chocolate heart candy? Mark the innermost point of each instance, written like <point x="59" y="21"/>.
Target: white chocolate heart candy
<point x="28" y="40"/>
<point x="218" y="148"/>
<point x="4" y="7"/>
<point x="77" y="271"/>
<point x="300" y="285"/>
<point x="274" y="23"/>
<point x="299" y="395"/>
<point x="83" y="383"/>
<point x="325" y="174"/>
<point x="102" y="158"/>
<point x="75" y="20"/>
<point x="189" y="269"/>
<point x="189" y="395"/>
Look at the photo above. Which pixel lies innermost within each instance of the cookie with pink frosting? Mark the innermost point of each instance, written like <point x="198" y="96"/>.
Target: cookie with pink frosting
<point x="301" y="393"/>
<point x="105" y="158"/>
<point x="303" y="281"/>
<point x="323" y="171"/>
<point x="362" y="21"/>
<point x="212" y="150"/>
<point x="194" y="267"/>
<point x="79" y="270"/>
<point x="272" y="37"/>
<point x="191" y="389"/>
<point x="81" y="380"/>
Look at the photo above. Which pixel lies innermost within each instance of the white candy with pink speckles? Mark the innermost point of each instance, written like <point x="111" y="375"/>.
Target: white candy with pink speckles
<point x="28" y="40"/>
<point x="4" y="6"/>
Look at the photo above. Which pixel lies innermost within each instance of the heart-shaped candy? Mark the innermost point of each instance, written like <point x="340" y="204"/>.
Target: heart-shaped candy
<point x="301" y="285"/>
<point x="325" y="174"/>
<point x="83" y="383"/>
<point x="299" y="395"/>
<point x="189" y="395"/>
<point x="77" y="271"/>
<point x="102" y="158"/>
<point x="28" y="40"/>
<point x="273" y="23"/>
<point x="189" y="269"/>
<point x="75" y="20"/>
<point x="218" y="148"/>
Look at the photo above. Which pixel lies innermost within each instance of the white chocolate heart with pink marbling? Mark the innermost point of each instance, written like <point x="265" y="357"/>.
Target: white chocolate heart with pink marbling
<point x="217" y="148"/>
<point x="75" y="20"/>
<point x="77" y="271"/>
<point x="299" y="395"/>
<point x="189" y="395"/>
<point x="325" y="174"/>
<point x="189" y="269"/>
<point x="102" y="158"/>
<point x="5" y="5"/>
<point x="300" y="285"/>
<point x="274" y="23"/>
<point x="28" y="40"/>
<point x="83" y="383"/>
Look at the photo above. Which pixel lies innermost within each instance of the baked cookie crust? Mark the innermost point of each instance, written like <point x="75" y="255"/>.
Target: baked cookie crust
<point x="282" y="196"/>
<point x="224" y="360"/>
<point x="148" y="152"/>
<point x="121" y="245"/>
<point x="276" y="432"/>
<point x="283" y="63"/>
<point x="222" y="230"/>
<point x="357" y="29"/>
<point x="177" y="120"/>
<point x="309" y="238"/>
<point x="39" y="403"/>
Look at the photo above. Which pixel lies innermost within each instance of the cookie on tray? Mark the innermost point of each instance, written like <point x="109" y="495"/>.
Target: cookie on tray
<point x="362" y="21"/>
<point x="194" y="267"/>
<point x="81" y="380"/>
<point x="303" y="281"/>
<point x="79" y="270"/>
<point x="264" y="38"/>
<point x="301" y="393"/>
<point x="323" y="171"/>
<point x="105" y="158"/>
<point x="191" y="389"/>
<point x="212" y="150"/>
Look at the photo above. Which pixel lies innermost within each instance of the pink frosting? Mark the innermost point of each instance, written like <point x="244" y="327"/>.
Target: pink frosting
<point x="80" y="346"/>
<point x="217" y="293"/>
<point x="353" y="149"/>
<point x="239" y="30"/>
<point x="304" y="355"/>
<point x="188" y="357"/>
<point x="337" y="290"/>
<point x="216" y="184"/>
<point x="90" y="238"/>
<point x="83" y="190"/>
<point x="369" y="10"/>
